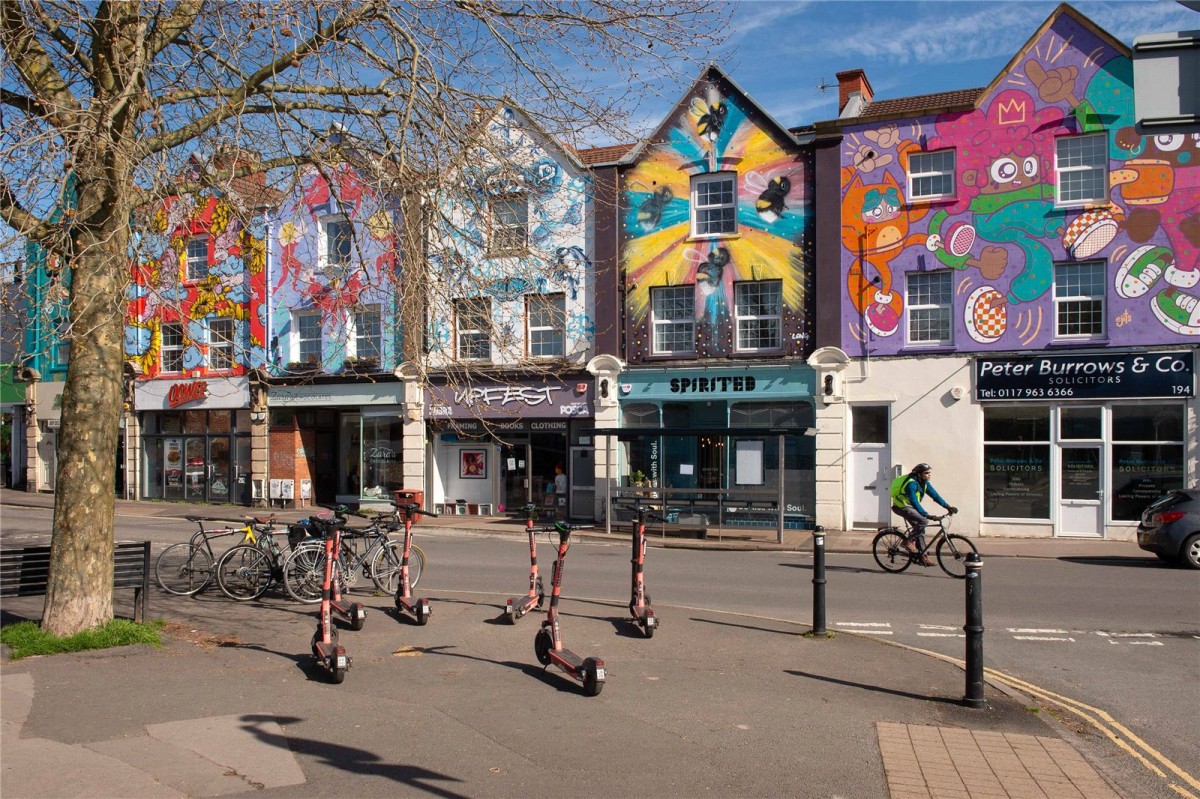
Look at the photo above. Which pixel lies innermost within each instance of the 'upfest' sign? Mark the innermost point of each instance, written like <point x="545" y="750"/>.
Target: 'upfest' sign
<point x="1125" y="375"/>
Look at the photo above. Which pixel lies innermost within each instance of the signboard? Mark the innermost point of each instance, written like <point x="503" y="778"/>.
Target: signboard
<point x="537" y="398"/>
<point x="214" y="393"/>
<point x="389" y="393"/>
<point x="1118" y="375"/>
<point x="750" y="383"/>
<point x="48" y="402"/>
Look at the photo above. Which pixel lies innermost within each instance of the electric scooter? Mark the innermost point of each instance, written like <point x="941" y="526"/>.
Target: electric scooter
<point x="639" y="602"/>
<point x="354" y="612"/>
<point x="419" y="609"/>
<point x="325" y="648"/>
<point x="517" y="607"/>
<point x="548" y="645"/>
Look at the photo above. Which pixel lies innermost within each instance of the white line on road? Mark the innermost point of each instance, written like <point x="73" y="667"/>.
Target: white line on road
<point x="1146" y="643"/>
<point x="937" y="627"/>
<point x="1132" y="635"/>
<point x="1040" y="638"/>
<point x="942" y="635"/>
<point x="863" y="623"/>
<point x="1033" y="630"/>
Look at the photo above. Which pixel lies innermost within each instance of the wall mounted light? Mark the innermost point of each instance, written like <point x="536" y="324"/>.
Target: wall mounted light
<point x="604" y="388"/>
<point x="828" y="385"/>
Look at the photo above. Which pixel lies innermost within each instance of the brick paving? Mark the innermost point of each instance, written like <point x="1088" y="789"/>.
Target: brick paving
<point x="926" y="762"/>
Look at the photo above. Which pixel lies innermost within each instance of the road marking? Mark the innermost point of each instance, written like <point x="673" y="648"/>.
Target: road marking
<point x="1146" y="643"/>
<point x="1040" y="638"/>
<point x="942" y="635"/>
<point x="866" y="627"/>
<point x="937" y="627"/>
<point x="1034" y="630"/>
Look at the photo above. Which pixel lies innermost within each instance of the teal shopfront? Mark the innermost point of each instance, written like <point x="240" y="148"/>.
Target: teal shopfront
<point x="736" y="436"/>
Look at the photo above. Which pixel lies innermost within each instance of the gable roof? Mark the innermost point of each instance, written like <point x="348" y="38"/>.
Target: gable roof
<point x="714" y="73"/>
<point x="609" y="154"/>
<point x="964" y="99"/>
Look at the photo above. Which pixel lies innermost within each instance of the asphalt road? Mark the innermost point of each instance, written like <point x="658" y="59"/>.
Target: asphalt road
<point x="1118" y="635"/>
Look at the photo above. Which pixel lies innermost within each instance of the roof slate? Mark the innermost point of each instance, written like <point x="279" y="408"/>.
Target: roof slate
<point x="603" y="155"/>
<point x="921" y="103"/>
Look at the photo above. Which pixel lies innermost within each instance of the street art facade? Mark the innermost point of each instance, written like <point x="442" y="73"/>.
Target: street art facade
<point x="197" y="293"/>
<point x="1024" y="265"/>
<point x="514" y="240"/>
<point x="720" y="196"/>
<point x="334" y="275"/>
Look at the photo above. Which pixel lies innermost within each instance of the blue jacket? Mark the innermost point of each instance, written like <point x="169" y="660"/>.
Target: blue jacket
<point x="914" y="491"/>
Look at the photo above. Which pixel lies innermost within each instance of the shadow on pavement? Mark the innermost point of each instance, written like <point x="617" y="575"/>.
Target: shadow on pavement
<point x="547" y="675"/>
<point x="876" y="688"/>
<point x="750" y="627"/>
<point x="1123" y="562"/>
<point x="350" y="759"/>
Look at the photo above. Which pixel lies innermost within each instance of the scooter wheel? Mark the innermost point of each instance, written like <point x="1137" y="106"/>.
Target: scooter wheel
<point x="315" y="639"/>
<point x="358" y="616"/>
<point x="541" y="600"/>
<point x="542" y="644"/>
<point x="592" y="684"/>
<point x="423" y="611"/>
<point x="648" y="628"/>
<point x="337" y="674"/>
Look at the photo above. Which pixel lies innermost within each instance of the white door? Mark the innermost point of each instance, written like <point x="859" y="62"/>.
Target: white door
<point x="870" y="466"/>
<point x="1080" y="506"/>
<point x="48" y="460"/>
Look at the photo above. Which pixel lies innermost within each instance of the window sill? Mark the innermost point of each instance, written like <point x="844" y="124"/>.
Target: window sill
<point x="949" y="199"/>
<point x="1101" y="341"/>
<point x="696" y="239"/>
<point x="930" y="349"/>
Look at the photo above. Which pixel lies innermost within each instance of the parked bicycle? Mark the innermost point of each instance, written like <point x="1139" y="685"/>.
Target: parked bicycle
<point x="369" y="551"/>
<point x="952" y="549"/>
<point x="186" y="569"/>
<point x="247" y="570"/>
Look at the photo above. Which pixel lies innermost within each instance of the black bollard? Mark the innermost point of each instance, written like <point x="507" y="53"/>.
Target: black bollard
<point x="818" y="625"/>
<point x="974" y="630"/>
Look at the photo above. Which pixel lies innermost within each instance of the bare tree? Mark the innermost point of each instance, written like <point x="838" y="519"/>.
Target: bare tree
<point x="116" y="96"/>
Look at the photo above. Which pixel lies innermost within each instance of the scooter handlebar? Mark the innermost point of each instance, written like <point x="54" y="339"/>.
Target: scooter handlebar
<point x="415" y="508"/>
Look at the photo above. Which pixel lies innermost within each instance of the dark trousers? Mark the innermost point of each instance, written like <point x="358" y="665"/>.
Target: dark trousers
<point x="917" y="521"/>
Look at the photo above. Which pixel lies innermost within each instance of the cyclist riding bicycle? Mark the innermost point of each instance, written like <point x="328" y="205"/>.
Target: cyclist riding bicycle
<point x="907" y="492"/>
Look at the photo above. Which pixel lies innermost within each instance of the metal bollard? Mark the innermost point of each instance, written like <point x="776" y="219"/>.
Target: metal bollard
<point x="974" y="630"/>
<point x="818" y="625"/>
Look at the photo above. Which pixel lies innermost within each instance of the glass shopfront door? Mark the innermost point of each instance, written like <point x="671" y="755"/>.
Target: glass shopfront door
<point x="1081" y="511"/>
<point x="514" y="471"/>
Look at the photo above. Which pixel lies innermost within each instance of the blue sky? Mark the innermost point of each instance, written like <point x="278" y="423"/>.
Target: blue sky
<point x="780" y="52"/>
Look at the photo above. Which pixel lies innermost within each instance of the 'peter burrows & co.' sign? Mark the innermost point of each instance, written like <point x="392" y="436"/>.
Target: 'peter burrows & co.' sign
<point x="1125" y="375"/>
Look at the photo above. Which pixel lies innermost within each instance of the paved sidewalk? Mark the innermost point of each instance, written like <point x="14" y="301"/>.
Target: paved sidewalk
<point x="716" y="704"/>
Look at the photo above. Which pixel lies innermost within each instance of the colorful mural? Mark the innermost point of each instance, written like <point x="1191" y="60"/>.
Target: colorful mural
<point x="303" y="279"/>
<point x="1002" y="232"/>
<point x="718" y="129"/>
<point x="516" y="163"/>
<point x="160" y="292"/>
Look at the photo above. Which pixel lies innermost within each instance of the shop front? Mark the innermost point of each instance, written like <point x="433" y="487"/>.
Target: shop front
<point x="1084" y="442"/>
<point x="337" y="442"/>
<point x="494" y="447"/>
<point x="195" y="439"/>
<point x="12" y="428"/>
<point x="692" y="448"/>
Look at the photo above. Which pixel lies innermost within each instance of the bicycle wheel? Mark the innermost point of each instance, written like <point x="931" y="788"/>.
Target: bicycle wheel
<point x="889" y="550"/>
<point x="416" y="565"/>
<point x="304" y="573"/>
<point x="183" y="569"/>
<point x="385" y="566"/>
<point x="244" y="572"/>
<point x="952" y="554"/>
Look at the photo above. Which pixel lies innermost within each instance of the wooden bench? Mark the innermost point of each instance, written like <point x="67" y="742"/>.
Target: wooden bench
<point x="25" y="571"/>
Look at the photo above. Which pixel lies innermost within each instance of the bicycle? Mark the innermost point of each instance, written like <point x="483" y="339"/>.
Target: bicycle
<point x="247" y="570"/>
<point x="186" y="569"/>
<point x="952" y="549"/>
<point x="304" y="569"/>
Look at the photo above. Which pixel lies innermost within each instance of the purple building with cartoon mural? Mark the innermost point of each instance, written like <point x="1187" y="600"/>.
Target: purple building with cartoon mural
<point x="1004" y="255"/>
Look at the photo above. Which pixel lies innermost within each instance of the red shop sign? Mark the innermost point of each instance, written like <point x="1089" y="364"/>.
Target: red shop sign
<point x="181" y="393"/>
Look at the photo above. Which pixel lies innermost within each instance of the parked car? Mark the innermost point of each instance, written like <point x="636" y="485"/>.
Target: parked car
<point x="1170" y="528"/>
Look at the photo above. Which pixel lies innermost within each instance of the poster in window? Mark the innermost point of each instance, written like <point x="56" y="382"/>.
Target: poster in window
<point x="749" y="462"/>
<point x="473" y="464"/>
<point x="1016" y="481"/>
<point x="174" y="457"/>
<point x="1141" y="474"/>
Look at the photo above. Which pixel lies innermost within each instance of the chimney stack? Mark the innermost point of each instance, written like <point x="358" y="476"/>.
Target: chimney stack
<point x="850" y="83"/>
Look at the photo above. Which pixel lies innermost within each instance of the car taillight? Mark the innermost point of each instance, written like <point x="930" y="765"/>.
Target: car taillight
<point x="1169" y="516"/>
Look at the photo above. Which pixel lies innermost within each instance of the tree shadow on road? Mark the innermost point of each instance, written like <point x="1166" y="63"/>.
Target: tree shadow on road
<point x="350" y="759"/>
<point x="750" y="627"/>
<point x="875" y="688"/>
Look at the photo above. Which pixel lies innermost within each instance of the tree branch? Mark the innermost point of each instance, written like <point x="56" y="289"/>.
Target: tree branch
<point x="28" y="57"/>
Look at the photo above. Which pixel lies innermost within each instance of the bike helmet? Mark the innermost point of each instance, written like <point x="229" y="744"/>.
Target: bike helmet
<point x="920" y="468"/>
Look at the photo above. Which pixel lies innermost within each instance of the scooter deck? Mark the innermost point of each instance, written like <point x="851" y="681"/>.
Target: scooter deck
<point x="519" y="606"/>
<point x="568" y="657"/>
<point x="347" y="611"/>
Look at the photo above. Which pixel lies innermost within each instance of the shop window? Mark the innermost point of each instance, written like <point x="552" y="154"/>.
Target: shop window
<point x="368" y="333"/>
<point x="220" y="344"/>
<point x="771" y="414"/>
<point x="673" y="318"/>
<point x="758" y="308"/>
<point x="171" y="348"/>
<point x="714" y="204"/>
<point x="473" y="325"/>
<point x="1081" y="169"/>
<point x="308" y="337"/>
<point x="382" y="447"/>
<point x="197" y="257"/>
<point x="62" y="342"/>
<point x="1016" y="463"/>
<point x="546" y="323"/>
<point x="508" y="226"/>
<point x="929" y="302"/>
<point x="1079" y="299"/>
<point x="1147" y="456"/>
<point x="931" y="175"/>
